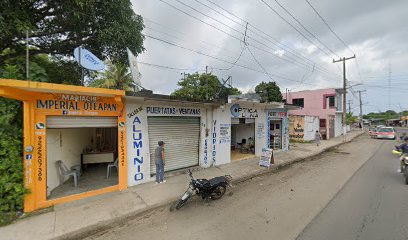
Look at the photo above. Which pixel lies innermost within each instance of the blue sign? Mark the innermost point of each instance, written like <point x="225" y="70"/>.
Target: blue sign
<point x="88" y="60"/>
<point x="28" y="156"/>
<point x="235" y="109"/>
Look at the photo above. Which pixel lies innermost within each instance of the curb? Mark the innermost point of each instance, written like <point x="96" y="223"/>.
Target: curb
<point x="117" y="221"/>
<point x="278" y="167"/>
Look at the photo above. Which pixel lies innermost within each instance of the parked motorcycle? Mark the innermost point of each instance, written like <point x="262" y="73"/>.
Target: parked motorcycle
<point x="404" y="162"/>
<point x="212" y="189"/>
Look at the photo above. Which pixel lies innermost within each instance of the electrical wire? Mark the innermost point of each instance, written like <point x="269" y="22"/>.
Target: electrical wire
<point x="167" y="67"/>
<point x="304" y="28"/>
<point x="222" y="23"/>
<point x="297" y="30"/>
<point x="270" y="38"/>
<point x="328" y="26"/>
<point x="213" y="46"/>
<point x="260" y="65"/>
<point x="231" y="35"/>
<point x="220" y="59"/>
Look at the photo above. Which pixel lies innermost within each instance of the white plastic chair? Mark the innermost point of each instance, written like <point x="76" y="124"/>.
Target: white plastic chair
<point x="111" y="165"/>
<point x="64" y="171"/>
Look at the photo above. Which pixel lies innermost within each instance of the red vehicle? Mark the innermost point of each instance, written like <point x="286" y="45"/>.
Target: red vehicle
<point x="386" y="133"/>
<point x="372" y="132"/>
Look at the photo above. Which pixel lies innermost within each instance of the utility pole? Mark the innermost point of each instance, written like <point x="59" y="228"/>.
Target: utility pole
<point x="27" y="57"/>
<point x="345" y="91"/>
<point x="361" y="108"/>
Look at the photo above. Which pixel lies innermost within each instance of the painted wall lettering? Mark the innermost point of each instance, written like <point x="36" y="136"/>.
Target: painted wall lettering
<point x="122" y="148"/>
<point x="137" y="147"/>
<point x="134" y="112"/>
<point x="214" y="141"/>
<point x="40" y="158"/>
<point x="243" y="112"/>
<point x="206" y="151"/>
<point x="173" y="111"/>
<point x="70" y="105"/>
<point x="77" y="98"/>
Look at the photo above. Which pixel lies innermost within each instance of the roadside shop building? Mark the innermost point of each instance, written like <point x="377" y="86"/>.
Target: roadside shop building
<point x="184" y="127"/>
<point x="70" y="132"/>
<point x="244" y="126"/>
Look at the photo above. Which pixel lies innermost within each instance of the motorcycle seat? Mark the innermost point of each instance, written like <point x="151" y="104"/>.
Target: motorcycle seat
<point x="217" y="180"/>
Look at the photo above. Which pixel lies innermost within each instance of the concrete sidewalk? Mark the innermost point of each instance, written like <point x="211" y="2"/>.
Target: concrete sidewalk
<point x="72" y="220"/>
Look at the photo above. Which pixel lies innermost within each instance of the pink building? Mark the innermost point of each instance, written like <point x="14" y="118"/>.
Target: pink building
<point x="323" y="103"/>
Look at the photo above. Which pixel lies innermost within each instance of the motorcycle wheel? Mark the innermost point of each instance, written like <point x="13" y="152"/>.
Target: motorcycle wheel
<point x="218" y="192"/>
<point x="180" y="204"/>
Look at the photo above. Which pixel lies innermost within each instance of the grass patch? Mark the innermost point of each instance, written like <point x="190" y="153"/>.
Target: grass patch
<point x="7" y="217"/>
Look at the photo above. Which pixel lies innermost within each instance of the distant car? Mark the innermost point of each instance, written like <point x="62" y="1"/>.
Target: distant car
<point x="372" y="132"/>
<point x="386" y="133"/>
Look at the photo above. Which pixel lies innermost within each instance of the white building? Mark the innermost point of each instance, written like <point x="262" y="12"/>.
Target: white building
<point x="197" y="133"/>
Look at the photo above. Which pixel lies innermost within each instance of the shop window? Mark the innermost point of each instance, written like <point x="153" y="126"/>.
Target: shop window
<point x="322" y="123"/>
<point x="332" y="101"/>
<point x="300" y="102"/>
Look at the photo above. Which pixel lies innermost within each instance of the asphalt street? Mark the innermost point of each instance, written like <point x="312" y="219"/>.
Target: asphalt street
<point x="373" y="204"/>
<point x="296" y="200"/>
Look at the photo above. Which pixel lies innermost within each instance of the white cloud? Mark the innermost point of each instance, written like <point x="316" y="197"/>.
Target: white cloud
<point x="374" y="29"/>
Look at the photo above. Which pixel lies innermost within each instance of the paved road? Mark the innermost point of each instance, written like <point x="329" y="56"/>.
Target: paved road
<point x="276" y="206"/>
<point x="373" y="205"/>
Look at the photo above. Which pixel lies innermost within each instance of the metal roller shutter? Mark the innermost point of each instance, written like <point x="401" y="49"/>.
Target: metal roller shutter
<point x="80" y="122"/>
<point x="181" y="136"/>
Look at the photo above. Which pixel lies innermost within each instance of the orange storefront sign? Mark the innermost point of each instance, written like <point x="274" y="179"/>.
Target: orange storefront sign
<point x="42" y="100"/>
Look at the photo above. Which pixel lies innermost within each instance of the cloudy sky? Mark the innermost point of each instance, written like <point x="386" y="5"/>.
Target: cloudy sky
<point x="285" y="41"/>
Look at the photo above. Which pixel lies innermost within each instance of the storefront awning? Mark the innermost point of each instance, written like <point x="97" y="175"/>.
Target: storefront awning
<point x="22" y="89"/>
<point x="150" y="97"/>
<point x="292" y="107"/>
<point x="267" y="106"/>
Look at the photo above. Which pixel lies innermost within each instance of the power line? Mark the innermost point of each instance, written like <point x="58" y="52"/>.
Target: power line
<point x="260" y="65"/>
<point x="261" y="43"/>
<point x="297" y="30"/>
<point x="328" y="26"/>
<point x="167" y="67"/>
<point x="268" y="37"/>
<point x="303" y="26"/>
<point x="233" y="36"/>
<point x="219" y="59"/>
<point x="206" y="43"/>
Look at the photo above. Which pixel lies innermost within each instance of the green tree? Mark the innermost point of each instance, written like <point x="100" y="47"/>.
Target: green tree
<point x="44" y="68"/>
<point x="11" y="167"/>
<point x="350" y="119"/>
<point x="106" y="27"/>
<point x="203" y="87"/>
<point x="269" y="92"/>
<point x="116" y="76"/>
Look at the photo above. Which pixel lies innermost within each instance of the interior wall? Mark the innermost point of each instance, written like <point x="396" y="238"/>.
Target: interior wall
<point x="66" y="145"/>
<point x="244" y="131"/>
